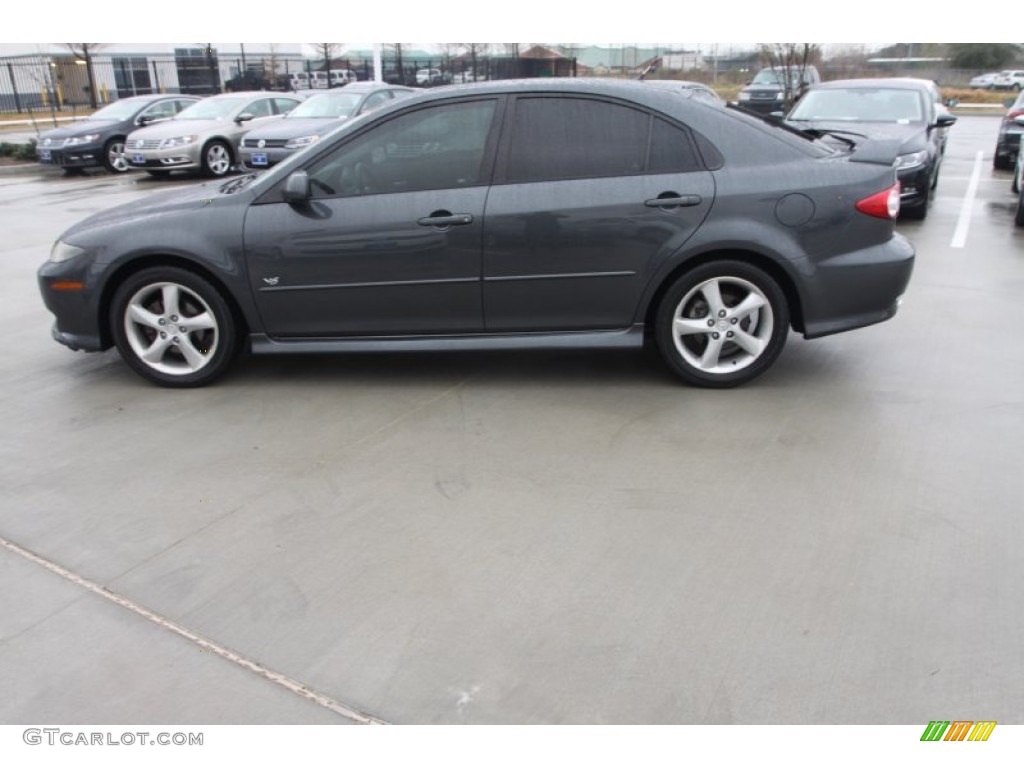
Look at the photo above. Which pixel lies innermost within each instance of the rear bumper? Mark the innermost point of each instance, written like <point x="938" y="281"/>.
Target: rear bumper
<point x="857" y="289"/>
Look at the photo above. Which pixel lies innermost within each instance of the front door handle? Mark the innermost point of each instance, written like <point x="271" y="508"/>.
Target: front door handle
<point x="671" y="200"/>
<point x="445" y="219"/>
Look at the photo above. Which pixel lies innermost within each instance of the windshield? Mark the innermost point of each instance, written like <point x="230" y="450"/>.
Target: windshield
<point x="861" y="105"/>
<point x="119" y="110"/>
<point x="211" y="109"/>
<point x="328" y="105"/>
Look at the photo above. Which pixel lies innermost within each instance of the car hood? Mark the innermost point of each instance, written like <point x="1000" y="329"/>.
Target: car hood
<point x="171" y="128"/>
<point x="293" y="128"/>
<point x="194" y="198"/>
<point x="80" y="128"/>
<point x="912" y="137"/>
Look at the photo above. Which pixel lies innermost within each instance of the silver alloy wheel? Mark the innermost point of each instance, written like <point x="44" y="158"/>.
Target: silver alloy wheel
<point x="218" y="160"/>
<point x="171" y="329"/>
<point x="116" y="158"/>
<point x="722" y="325"/>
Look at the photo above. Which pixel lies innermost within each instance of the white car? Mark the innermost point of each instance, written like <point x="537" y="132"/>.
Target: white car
<point x="1009" y="80"/>
<point x="429" y="77"/>
<point x="984" y="81"/>
<point x="343" y="77"/>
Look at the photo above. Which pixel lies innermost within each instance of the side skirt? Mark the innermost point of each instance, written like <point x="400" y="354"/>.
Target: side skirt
<point x="629" y="338"/>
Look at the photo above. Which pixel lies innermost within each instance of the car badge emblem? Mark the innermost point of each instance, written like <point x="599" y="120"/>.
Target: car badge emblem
<point x="271" y="280"/>
<point x="261" y="143"/>
<point x="46" y="143"/>
<point x="139" y="143"/>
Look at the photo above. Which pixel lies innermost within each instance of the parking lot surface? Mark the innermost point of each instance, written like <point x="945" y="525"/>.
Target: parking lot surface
<point x="546" y="537"/>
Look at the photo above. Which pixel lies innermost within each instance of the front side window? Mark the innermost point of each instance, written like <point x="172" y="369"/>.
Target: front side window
<point x="574" y="138"/>
<point x="160" y="111"/>
<point x="438" y="147"/>
<point x="260" y="108"/>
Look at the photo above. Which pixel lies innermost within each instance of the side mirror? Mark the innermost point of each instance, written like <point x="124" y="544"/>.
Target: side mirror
<point x="244" y="117"/>
<point x="944" y="121"/>
<point x="1019" y="120"/>
<point x="144" y="120"/>
<point x="297" y="188"/>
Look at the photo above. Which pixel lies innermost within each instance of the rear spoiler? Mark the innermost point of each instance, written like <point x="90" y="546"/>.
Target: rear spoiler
<point x="878" y="151"/>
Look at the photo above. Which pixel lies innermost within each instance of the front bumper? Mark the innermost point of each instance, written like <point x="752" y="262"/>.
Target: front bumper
<point x="915" y="184"/>
<point x="274" y="155"/>
<point x="85" y="156"/>
<point x="186" y="157"/>
<point x="764" y="105"/>
<point x="856" y="289"/>
<point x="76" y="311"/>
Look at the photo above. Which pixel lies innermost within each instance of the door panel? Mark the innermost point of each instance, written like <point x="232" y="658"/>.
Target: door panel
<point x="365" y="266"/>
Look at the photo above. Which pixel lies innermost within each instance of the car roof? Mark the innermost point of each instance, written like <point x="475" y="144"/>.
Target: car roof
<point x="365" y="86"/>
<point x="906" y="83"/>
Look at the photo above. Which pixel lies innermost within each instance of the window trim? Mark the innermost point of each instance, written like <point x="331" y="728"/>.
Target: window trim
<point x="505" y="149"/>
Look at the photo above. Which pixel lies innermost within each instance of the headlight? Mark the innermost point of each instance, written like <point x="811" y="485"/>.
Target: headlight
<point x="744" y="96"/>
<point x="303" y="141"/>
<point x="911" y="160"/>
<point x="61" y="251"/>
<point x="89" y="138"/>
<point x="178" y="141"/>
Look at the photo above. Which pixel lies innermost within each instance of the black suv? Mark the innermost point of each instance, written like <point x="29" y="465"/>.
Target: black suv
<point x="766" y="93"/>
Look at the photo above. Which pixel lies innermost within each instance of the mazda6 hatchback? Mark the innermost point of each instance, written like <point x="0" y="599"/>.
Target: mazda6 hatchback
<point x="501" y="215"/>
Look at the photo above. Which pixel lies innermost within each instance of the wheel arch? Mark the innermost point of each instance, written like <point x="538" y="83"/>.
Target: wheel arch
<point x="223" y="140"/>
<point x="126" y="270"/>
<point x="755" y="259"/>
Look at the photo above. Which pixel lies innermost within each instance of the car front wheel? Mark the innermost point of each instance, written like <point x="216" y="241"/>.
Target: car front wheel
<point x="216" y="159"/>
<point x="114" y="158"/>
<point x="722" y="324"/>
<point x="173" y="327"/>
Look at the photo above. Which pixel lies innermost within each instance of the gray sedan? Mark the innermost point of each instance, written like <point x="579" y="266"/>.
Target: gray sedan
<point x="502" y="215"/>
<point x="205" y="136"/>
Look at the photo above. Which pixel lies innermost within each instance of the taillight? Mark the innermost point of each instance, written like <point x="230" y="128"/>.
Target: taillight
<point x="883" y="205"/>
<point x="1014" y="113"/>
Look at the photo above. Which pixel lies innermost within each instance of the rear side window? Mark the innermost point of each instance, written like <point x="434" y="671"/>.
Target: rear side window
<point x="574" y="138"/>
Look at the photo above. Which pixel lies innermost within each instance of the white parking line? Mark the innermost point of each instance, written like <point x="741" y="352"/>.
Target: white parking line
<point x="275" y="677"/>
<point x="963" y="223"/>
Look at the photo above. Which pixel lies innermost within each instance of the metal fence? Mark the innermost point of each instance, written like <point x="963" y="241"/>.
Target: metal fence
<point x="63" y="83"/>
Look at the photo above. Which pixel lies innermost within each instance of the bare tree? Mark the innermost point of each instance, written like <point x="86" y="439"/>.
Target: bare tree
<point x="396" y="50"/>
<point x="272" y="63"/>
<point x="513" y="50"/>
<point x="85" y="52"/>
<point x="474" y="50"/>
<point x="790" y="61"/>
<point x="327" y="51"/>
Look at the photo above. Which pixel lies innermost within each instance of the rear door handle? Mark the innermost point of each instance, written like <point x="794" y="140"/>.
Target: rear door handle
<point x="445" y="219"/>
<point x="674" y="201"/>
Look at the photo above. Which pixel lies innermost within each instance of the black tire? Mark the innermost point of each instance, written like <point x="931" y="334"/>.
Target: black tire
<point x="217" y="159"/>
<point x="211" y="347"/>
<point x="1018" y="218"/>
<point x="1002" y="163"/>
<point x="114" y="159"/>
<point x="765" y="327"/>
<point x="159" y="174"/>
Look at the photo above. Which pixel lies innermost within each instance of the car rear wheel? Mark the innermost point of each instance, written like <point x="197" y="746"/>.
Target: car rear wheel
<point x="216" y="159"/>
<point x="722" y="324"/>
<point x="173" y="327"/>
<point x="1001" y="163"/>
<point x="114" y="158"/>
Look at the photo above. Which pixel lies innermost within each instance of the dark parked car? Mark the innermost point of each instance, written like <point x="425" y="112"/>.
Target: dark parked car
<point x="1008" y="142"/>
<point x="502" y="215"/>
<point x="314" y="118"/>
<point x="899" y="110"/>
<point x="766" y="93"/>
<point x="99" y="140"/>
